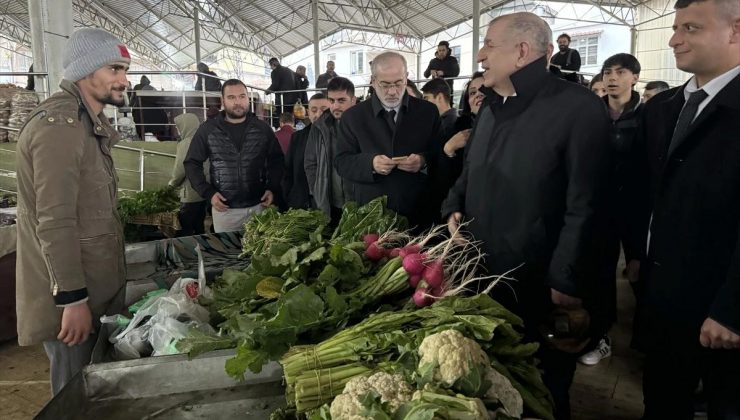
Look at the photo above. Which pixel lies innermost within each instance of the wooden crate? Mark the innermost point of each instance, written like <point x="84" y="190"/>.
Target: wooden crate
<point x="168" y="223"/>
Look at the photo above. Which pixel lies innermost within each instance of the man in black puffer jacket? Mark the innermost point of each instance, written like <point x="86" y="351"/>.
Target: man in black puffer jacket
<point x="246" y="161"/>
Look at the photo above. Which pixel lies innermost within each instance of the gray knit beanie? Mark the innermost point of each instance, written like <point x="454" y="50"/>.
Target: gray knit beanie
<point x="89" y="49"/>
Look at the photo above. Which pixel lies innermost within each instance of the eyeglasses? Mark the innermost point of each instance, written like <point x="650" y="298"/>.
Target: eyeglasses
<point x="388" y="86"/>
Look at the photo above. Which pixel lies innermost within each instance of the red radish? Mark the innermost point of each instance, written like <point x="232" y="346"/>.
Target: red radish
<point x="374" y="252"/>
<point x="192" y="289"/>
<point x="421" y="298"/>
<point x="409" y="249"/>
<point x="370" y="238"/>
<point x="394" y="252"/>
<point x="414" y="280"/>
<point x="434" y="273"/>
<point x="413" y="263"/>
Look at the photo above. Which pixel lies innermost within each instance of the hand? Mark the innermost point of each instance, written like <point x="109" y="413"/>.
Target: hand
<point x="456" y="142"/>
<point x="561" y="299"/>
<point x="413" y="163"/>
<point x="217" y="201"/>
<point x="76" y="324"/>
<point x="267" y="198"/>
<point x="716" y="336"/>
<point x="633" y="271"/>
<point x="453" y="222"/>
<point x="440" y="73"/>
<point x="383" y="165"/>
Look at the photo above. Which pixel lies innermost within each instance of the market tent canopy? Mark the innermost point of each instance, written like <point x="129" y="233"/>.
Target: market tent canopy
<point x="162" y="32"/>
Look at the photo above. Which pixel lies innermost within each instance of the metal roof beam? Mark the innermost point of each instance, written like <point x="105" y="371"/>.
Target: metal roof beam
<point x="609" y="12"/>
<point x="89" y="14"/>
<point x="416" y="12"/>
<point x="11" y="29"/>
<point x="236" y="29"/>
<point x="188" y="38"/>
<point x="144" y="29"/>
<point x="278" y="20"/>
<point x="415" y="31"/>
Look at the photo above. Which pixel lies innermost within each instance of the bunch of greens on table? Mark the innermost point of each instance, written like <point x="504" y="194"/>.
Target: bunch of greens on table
<point x="302" y="284"/>
<point x="144" y="203"/>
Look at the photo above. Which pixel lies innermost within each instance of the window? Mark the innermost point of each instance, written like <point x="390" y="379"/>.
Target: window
<point x="357" y="62"/>
<point x="588" y="48"/>
<point x="456" y="51"/>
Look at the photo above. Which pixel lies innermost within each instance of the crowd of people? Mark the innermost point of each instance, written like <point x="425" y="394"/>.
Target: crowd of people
<point x="554" y="179"/>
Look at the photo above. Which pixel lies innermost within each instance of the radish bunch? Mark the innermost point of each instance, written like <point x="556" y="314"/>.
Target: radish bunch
<point x="426" y="275"/>
<point x="445" y="269"/>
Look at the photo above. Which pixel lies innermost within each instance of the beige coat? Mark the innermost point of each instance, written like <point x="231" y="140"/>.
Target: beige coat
<point x="187" y="124"/>
<point x="69" y="233"/>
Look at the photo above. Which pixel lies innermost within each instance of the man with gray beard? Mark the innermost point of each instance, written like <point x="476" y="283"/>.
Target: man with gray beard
<point x="388" y="145"/>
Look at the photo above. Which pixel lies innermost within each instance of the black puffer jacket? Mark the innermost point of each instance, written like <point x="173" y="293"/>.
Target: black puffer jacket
<point x="240" y="174"/>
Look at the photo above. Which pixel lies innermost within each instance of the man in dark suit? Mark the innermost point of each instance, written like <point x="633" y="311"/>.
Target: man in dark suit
<point x="283" y="79"/>
<point x="692" y="272"/>
<point x="388" y="145"/>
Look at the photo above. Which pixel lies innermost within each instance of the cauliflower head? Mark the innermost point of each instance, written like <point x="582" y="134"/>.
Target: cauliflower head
<point x="393" y="389"/>
<point x="503" y="391"/>
<point x="452" y="353"/>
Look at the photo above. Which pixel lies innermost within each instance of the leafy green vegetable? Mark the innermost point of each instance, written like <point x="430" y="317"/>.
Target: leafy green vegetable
<point x="198" y="342"/>
<point x="373" y="407"/>
<point x="148" y="202"/>
<point x="373" y="217"/>
<point x="292" y="228"/>
<point x="270" y="287"/>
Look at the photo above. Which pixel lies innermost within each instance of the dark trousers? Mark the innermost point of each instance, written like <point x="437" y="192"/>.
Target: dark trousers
<point x="675" y="362"/>
<point x="558" y="371"/>
<point x="191" y="217"/>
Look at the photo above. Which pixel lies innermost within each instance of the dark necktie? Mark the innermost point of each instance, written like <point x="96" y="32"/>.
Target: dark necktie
<point x="390" y="116"/>
<point x="686" y="117"/>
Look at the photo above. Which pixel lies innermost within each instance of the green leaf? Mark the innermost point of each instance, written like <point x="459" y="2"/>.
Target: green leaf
<point x="426" y="374"/>
<point x="321" y="413"/>
<point x="270" y="287"/>
<point x="245" y="359"/>
<point x="416" y="410"/>
<point x="298" y="307"/>
<point x="372" y="406"/>
<point x="329" y="276"/>
<point x="474" y="383"/>
<point x="198" y="342"/>
<point x="335" y="303"/>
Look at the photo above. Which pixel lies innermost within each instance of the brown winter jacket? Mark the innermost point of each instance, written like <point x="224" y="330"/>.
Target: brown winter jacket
<point x="70" y="242"/>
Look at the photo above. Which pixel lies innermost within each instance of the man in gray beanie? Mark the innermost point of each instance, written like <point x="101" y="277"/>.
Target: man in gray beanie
<point x="70" y="267"/>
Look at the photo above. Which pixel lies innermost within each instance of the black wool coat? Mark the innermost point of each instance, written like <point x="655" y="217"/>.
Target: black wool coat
<point x="365" y="133"/>
<point x="283" y="79"/>
<point x="295" y="184"/>
<point x="535" y="171"/>
<point x="693" y="267"/>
